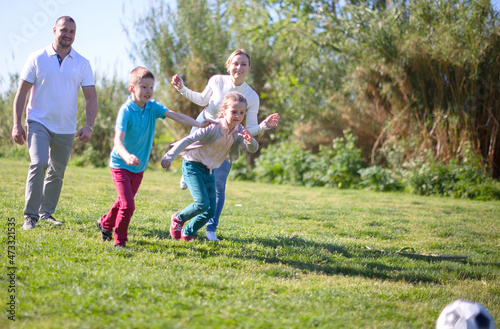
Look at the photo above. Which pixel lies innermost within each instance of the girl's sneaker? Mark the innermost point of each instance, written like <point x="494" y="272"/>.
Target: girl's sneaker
<point x="176" y="227"/>
<point x="187" y="238"/>
<point x="182" y="183"/>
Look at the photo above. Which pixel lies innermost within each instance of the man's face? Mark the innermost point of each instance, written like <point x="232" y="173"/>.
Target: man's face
<point x="64" y="33"/>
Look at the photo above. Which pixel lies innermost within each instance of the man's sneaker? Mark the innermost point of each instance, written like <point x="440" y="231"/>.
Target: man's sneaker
<point x="187" y="238"/>
<point x="211" y="236"/>
<point x="29" y="223"/>
<point x="183" y="183"/>
<point x="176" y="227"/>
<point x="105" y="234"/>
<point x="52" y="220"/>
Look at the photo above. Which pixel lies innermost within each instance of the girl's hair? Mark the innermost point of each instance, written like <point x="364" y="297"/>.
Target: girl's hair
<point x="140" y="73"/>
<point x="234" y="54"/>
<point x="230" y="98"/>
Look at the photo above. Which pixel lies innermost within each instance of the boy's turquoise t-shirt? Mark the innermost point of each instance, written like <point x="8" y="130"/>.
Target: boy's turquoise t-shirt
<point x="139" y="125"/>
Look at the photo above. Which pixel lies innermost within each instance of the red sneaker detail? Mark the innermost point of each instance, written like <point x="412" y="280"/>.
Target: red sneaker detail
<point x="176" y="227"/>
<point x="187" y="238"/>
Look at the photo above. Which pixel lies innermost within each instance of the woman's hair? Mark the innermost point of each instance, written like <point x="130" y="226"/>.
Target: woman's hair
<point x="140" y="73"/>
<point x="234" y="54"/>
<point x="230" y="98"/>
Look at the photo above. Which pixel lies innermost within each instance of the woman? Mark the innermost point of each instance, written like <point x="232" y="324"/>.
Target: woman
<point x="238" y="67"/>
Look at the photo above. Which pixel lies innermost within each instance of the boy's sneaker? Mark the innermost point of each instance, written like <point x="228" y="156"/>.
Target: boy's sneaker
<point x="29" y="223"/>
<point x="52" y="220"/>
<point x="105" y="234"/>
<point x="187" y="238"/>
<point x="182" y="183"/>
<point x="176" y="227"/>
<point x="120" y="246"/>
<point x="211" y="236"/>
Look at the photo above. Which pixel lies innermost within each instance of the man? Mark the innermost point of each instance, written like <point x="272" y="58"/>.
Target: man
<point x="53" y="75"/>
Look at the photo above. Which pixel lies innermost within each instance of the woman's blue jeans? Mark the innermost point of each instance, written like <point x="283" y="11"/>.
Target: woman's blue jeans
<point x="201" y="184"/>
<point x="220" y="174"/>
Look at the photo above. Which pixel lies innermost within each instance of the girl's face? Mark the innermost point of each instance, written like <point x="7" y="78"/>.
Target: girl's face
<point x="234" y="114"/>
<point x="239" y="68"/>
<point x="142" y="92"/>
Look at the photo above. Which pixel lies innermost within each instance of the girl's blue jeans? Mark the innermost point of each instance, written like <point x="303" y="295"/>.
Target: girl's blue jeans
<point x="201" y="184"/>
<point x="220" y="174"/>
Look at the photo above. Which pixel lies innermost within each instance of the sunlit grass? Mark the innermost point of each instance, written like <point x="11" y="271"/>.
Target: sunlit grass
<point x="291" y="257"/>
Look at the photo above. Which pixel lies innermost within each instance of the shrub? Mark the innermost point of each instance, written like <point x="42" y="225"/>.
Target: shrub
<point x="286" y="165"/>
<point x="345" y="160"/>
<point x="465" y="179"/>
<point x="332" y="166"/>
<point x="380" y="179"/>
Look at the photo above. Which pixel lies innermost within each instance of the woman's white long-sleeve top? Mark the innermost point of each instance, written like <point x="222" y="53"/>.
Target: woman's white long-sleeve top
<point x="219" y="86"/>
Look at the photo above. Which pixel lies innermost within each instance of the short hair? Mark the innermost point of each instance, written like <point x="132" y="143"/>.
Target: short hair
<point x="231" y="97"/>
<point x="234" y="54"/>
<point x="66" y="19"/>
<point x="140" y="73"/>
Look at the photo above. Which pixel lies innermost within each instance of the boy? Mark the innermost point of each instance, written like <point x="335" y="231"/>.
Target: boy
<point x="134" y="134"/>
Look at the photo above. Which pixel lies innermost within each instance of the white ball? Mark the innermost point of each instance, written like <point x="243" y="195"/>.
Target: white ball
<point x="463" y="314"/>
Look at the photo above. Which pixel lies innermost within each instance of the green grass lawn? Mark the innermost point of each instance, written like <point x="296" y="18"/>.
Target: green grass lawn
<point x="292" y="257"/>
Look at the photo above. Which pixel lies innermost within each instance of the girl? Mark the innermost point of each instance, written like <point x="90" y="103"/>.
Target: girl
<point x="207" y="148"/>
<point x="238" y="67"/>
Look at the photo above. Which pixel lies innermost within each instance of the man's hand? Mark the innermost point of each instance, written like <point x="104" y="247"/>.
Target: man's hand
<point x="84" y="134"/>
<point x="18" y="134"/>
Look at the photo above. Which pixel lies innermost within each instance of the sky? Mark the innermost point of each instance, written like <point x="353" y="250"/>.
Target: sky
<point x="26" y="26"/>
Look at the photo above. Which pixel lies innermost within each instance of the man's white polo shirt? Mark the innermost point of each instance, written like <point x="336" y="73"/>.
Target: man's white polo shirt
<point x="54" y="96"/>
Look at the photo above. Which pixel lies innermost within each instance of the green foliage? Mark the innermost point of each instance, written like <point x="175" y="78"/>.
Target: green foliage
<point x="466" y="180"/>
<point x="240" y="170"/>
<point x="379" y="179"/>
<point x="419" y="70"/>
<point x="7" y="147"/>
<point x="342" y="166"/>
<point x="192" y="41"/>
<point x="337" y="165"/>
<point x="111" y="94"/>
<point x="345" y="158"/>
<point x="285" y="165"/>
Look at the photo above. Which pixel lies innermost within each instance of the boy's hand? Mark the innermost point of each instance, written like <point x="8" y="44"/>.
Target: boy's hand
<point x="246" y="135"/>
<point x="206" y="123"/>
<point x="177" y="82"/>
<point x="165" y="164"/>
<point x="132" y="160"/>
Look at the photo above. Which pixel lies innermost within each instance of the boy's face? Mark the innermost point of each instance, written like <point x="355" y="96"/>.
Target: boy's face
<point x="234" y="114"/>
<point x="142" y="92"/>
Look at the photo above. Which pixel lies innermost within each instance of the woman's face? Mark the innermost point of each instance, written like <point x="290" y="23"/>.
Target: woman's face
<point x="239" y="69"/>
